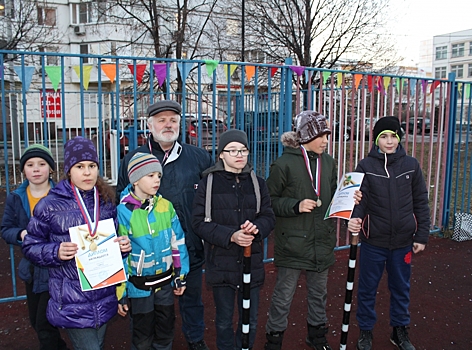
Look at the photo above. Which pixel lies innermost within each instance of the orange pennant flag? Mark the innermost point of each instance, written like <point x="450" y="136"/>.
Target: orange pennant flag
<point x="357" y="80"/>
<point x="110" y="71"/>
<point x="250" y="71"/>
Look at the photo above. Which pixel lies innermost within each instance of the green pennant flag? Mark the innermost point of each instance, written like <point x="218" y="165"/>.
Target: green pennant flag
<point x="54" y="75"/>
<point x="211" y="66"/>
<point x="398" y="81"/>
<point x="326" y="76"/>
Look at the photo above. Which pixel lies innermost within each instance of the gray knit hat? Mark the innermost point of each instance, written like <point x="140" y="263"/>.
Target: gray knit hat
<point x="39" y="151"/>
<point x="233" y="135"/>
<point x="309" y="125"/>
<point x="142" y="164"/>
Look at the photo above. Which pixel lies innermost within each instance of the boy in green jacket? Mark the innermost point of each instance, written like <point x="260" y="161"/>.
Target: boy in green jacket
<point x="302" y="183"/>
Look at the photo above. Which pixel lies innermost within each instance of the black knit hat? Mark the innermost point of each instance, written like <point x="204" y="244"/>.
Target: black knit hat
<point x="233" y="135"/>
<point x="387" y="124"/>
<point x="39" y="151"/>
<point x="164" y="105"/>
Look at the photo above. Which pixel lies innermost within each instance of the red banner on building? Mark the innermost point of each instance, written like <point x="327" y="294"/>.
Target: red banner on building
<point x="53" y="103"/>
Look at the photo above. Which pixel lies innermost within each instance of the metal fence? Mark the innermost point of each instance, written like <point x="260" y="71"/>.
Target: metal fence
<point x="105" y="98"/>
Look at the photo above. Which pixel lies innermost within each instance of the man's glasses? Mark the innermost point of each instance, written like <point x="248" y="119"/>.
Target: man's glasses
<point x="235" y="152"/>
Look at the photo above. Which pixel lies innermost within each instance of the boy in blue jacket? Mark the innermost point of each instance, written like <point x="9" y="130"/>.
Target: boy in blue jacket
<point x="393" y="221"/>
<point x="37" y="165"/>
<point x="159" y="259"/>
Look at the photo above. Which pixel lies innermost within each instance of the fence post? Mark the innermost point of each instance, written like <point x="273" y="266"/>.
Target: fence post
<point x="450" y="150"/>
<point x="288" y="92"/>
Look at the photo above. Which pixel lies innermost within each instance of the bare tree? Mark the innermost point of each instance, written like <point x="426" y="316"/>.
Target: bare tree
<point x="27" y="25"/>
<point x="318" y="33"/>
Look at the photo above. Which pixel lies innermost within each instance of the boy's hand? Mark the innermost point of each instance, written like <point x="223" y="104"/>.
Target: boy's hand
<point x="242" y="239"/>
<point x="122" y="308"/>
<point x="418" y="247"/>
<point x="179" y="291"/>
<point x="357" y="196"/>
<point x="306" y="206"/>
<point x="125" y="243"/>
<point x="354" y="225"/>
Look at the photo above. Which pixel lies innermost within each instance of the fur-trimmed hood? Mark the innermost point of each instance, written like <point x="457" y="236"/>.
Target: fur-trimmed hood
<point x="290" y="139"/>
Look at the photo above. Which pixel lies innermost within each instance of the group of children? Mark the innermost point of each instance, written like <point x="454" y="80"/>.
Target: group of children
<point x="233" y="209"/>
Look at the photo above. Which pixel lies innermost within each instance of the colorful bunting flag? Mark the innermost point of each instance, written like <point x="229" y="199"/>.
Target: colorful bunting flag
<point x="110" y="71"/>
<point x="25" y="80"/>
<point x="370" y="83"/>
<point x="467" y="91"/>
<point x="297" y="69"/>
<point x="326" y="76"/>
<point x="250" y="71"/>
<point x="398" y="81"/>
<point x="184" y="69"/>
<point x="273" y="70"/>
<point x="413" y="86"/>
<point x="140" y="69"/>
<point x="211" y="66"/>
<point x="54" y="75"/>
<point x="424" y="85"/>
<point x="231" y="68"/>
<point x="386" y="82"/>
<point x="160" y="70"/>
<point x="357" y="80"/>
<point x="86" y="74"/>
<point x="339" y="80"/>
<point x="434" y="85"/>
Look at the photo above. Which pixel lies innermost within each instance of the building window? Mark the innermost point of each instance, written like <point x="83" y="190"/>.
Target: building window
<point x="458" y="69"/>
<point x="46" y="16"/>
<point x="50" y="60"/>
<point x="84" y="50"/>
<point x="2" y="8"/>
<point x="440" y="73"/>
<point x="470" y="48"/>
<point x="469" y="73"/>
<point x="458" y="50"/>
<point x="441" y="52"/>
<point x="255" y="56"/>
<point x="81" y="13"/>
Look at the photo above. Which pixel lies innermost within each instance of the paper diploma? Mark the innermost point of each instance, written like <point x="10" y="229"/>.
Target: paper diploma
<point x="343" y="202"/>
<point x="99" y="261"/>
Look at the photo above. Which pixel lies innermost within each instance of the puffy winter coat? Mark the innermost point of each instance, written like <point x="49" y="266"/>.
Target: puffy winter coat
<point x="182" y="171"/>
<point x="68" y="307"/>
<point x="394" y="205"/>
<point x="302" y="240"/>
<point x="232" y="203"/>
<point x="16" y="216"/>
<point x="157" y="232"/>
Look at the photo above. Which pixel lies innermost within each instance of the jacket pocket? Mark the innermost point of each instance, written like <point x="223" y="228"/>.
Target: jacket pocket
<point x="296" y="244"/>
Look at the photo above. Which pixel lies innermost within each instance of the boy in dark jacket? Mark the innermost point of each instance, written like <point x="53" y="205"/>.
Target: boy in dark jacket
<point x="37" y="164"/>
<point x="301" y="184"/>
<point x="392" y="219"/>
<point x="235" y="221"/>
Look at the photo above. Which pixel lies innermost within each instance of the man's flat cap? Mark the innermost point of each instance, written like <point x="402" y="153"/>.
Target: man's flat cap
<point x="164" y="105"/>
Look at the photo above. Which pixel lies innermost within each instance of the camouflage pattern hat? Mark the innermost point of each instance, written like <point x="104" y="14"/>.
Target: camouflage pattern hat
<point x="309" y="125"/>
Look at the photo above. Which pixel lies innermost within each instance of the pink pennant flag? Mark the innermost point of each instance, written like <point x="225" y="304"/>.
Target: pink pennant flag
<point x="424" y="85"/>
<point x="434" y="85"/>
<point x="160" y="70"/>
<point x="297" y="69"/>
<point x="140" y="69"/>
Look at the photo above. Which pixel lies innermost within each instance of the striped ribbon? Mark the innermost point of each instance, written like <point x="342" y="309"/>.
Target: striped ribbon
<point x="246" y="298"/>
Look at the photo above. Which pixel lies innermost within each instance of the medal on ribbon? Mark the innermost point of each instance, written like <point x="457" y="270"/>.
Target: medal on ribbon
<point x="92" y="225"/>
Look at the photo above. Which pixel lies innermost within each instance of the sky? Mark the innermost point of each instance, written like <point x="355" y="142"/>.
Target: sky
<point x="416" y="20"/>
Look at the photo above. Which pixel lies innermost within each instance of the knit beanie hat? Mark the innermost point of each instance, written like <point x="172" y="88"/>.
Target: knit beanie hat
<point x="309" y="125"/>
<point x="387" y="124"/>
<point x="233" y="135"/>
<point x="77" y="150"/>
<point x="39" y="151"/>
<point x="164" y="105"/>
<point x="142" y="164"/>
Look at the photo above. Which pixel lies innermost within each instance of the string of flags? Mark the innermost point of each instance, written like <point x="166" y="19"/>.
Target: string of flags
<point x="161" y="72"/>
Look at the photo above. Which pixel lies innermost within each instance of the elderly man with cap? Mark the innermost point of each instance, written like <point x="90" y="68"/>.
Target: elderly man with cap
<point x="301" y="184"/>
<point x="183" y="166"/>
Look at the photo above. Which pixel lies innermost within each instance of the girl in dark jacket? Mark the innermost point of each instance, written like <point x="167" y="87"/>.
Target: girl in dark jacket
<point x="235" y="223"/>
<point x="36" y="164"/>
<point x="82" y="198"/>
<point x="393" y="221"/>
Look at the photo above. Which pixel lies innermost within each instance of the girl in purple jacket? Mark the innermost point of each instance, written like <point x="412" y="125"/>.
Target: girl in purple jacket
<point x="82" y="198"/>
